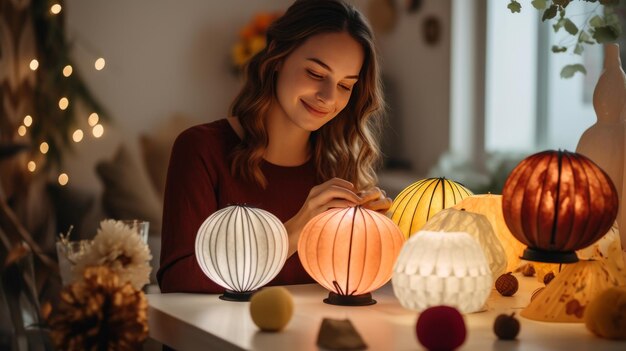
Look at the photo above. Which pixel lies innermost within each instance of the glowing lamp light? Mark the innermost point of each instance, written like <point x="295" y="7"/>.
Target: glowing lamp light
<point x="97" y="130"/>
<point x="557" y="202"/>
<point x="32" y="166"/>
<point x="478" y="227"/>
<point x="93" y="119"/>
<point x="64" y="103"/>
<point x="442" y="269"/>
<point x="77" y="136"/>
<point x="33" y="65"/>
<point x="350" y="252"/>
<point x="63" y="179"/>
<point x="241" y="249"/>
<point x="44" y="147"/>
<point x="564" y="300"/>
<point x="99" y="64"/>
<point x="67" y="70"/>
<point x="28" y="120"/>
<point x="21" y="130"/>
<point x="490" y="206"/>
<point x="56" y="9"/>
<point x="418" y="202"/>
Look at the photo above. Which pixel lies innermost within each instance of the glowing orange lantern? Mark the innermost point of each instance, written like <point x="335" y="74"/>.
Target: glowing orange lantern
<point x="418" y="202"/>
<point x="351" y="252"/>
<point x="557" y="202"/>
<point x="490" y="206"/>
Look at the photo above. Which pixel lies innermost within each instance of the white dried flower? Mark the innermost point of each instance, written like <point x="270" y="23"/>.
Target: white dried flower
<point x="120" y="248"/>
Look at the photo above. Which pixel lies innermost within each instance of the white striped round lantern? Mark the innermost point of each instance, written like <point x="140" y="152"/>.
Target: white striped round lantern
<point x="241" y="249"/>
<point x="350" y="251"/>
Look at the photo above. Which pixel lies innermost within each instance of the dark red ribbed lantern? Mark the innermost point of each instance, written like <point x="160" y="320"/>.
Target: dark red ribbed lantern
<point x="557" y="202"/>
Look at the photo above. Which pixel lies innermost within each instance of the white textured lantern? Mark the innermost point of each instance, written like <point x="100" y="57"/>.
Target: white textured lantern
<point x="478" y="227"/>
<point x="442" y="269"/>
<point x="241" y="249"/>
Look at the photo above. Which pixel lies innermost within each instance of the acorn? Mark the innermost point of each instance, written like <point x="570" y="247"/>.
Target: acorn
<point x="528" y="270"/>
<point x="548" y="278"/>
<point x="506" y="327"/>
<point x="507" y="284"/>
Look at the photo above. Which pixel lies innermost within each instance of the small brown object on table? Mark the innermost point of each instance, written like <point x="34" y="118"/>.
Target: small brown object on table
<point x="507" y="284"/>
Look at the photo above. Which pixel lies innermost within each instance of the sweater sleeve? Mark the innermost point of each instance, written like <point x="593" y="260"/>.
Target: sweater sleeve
<point x="189" y="199"/>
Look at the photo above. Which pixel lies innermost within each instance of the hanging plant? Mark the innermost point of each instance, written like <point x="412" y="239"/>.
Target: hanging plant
<point x="602" y="25"/>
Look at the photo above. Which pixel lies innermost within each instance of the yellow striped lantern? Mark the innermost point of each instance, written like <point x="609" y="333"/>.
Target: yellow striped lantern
<point x="418" y="202"/>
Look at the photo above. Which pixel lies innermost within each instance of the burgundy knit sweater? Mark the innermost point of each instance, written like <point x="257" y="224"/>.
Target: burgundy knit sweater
<point x="199" y="182"/>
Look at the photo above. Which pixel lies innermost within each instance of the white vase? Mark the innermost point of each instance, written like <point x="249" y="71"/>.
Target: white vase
<point x="605" y="141"/>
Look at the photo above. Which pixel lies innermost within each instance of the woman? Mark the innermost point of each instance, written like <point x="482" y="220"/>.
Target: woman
<point x="301" y="140"/>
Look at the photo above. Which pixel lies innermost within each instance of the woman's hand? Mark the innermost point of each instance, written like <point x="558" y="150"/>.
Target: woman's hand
<point x="375" y="199"/>
<point x="335" y="192"/>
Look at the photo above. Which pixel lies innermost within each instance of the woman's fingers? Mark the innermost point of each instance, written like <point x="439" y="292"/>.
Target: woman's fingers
<point x="371" y="194"/>
<point x="375" y="199"/>
<point x="335" y="192"/>
<point x="330" y="183"/>
<point x="380" y="205"/>
<point x="337" y="204"/>
<point x="338" y="192"/>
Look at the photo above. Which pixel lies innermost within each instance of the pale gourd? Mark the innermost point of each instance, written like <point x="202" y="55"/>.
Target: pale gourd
<point x="606" y="314"/>
<point x="271" y="308"/>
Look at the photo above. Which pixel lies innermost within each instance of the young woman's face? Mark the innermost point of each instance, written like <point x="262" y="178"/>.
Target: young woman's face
<point x="315" y="81"/>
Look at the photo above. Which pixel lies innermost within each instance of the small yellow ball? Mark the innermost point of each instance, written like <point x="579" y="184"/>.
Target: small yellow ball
<point x="271" y="308"/>
<point x="605" y="315"/>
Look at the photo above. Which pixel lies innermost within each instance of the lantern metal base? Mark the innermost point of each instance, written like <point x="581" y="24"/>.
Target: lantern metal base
<point x="537" y="255"/>
<point x="349" y="300"/>
<point x="230" y="295"/>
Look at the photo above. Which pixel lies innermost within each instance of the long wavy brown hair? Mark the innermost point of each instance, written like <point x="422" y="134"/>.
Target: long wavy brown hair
<point x="345" y="147"/>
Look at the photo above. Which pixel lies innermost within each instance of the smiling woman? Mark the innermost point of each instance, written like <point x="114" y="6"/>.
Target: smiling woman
<point x="314" y="86"/>
<point x="301" y="138"/>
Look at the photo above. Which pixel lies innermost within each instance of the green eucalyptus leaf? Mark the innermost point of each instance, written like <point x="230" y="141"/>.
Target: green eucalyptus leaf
<point x="584" y="37"/>
<point x="558" y="25"/>
<point x="579" y="49"/>
<point x="596" y="21"/>
<point x="557" y="49"/>
<point x="605" y="34"/>
<point x="514" y="6"/>
<point x="549" y="13"/>
<point x="570" y="27"/>
<point x="539" y="4"/>
<point x="569" y="70"/>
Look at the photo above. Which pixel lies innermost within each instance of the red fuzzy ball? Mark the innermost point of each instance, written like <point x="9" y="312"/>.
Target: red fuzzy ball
<point x="441" y="328"/>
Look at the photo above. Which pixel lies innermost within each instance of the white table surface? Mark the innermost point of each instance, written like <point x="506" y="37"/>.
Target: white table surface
<point x="204" y="322"/>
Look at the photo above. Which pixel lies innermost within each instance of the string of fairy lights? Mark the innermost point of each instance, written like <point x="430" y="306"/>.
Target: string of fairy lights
<point x="97" y="129"/>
